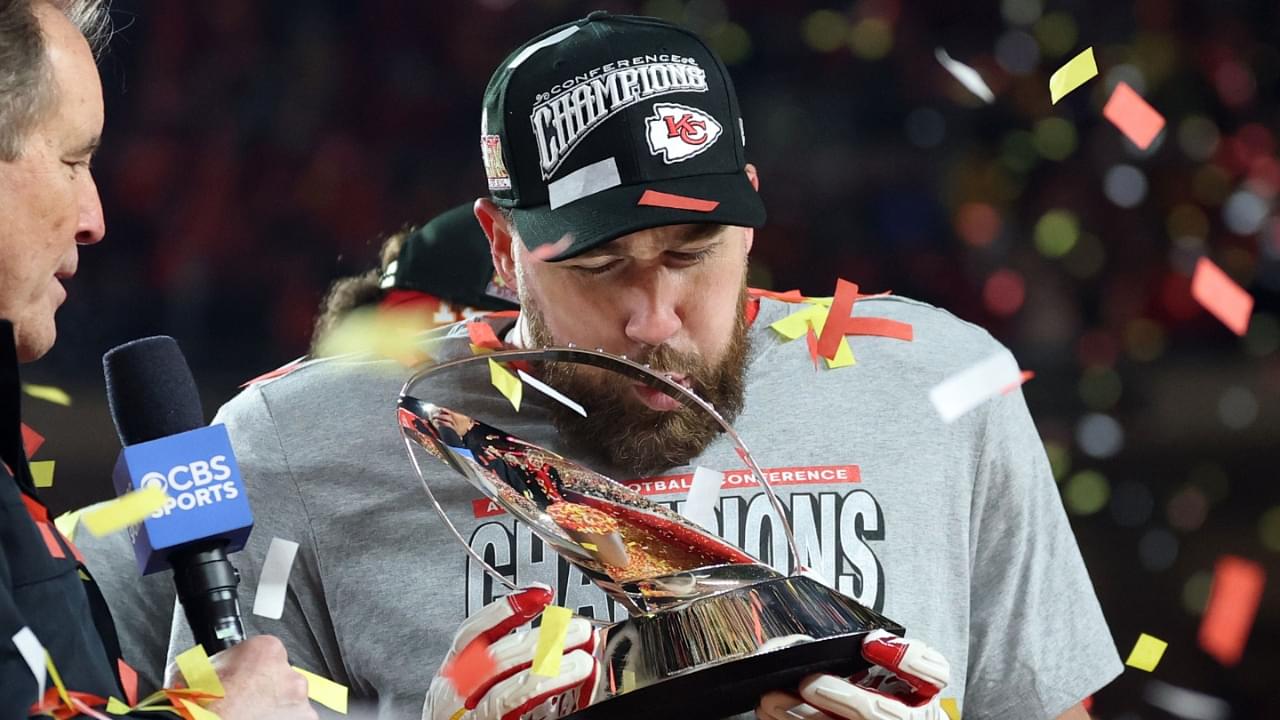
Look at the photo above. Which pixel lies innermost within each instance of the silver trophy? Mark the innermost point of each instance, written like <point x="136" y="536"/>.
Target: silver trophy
<point x="711" y="628"/>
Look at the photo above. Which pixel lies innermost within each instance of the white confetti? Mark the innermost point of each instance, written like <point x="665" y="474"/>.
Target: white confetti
<point x="33" y="652"/>
<point x="551" y="392"/>
<point x="971" y="387"/>
<point x="704" y="493"/>
<point x="967" y="76"/>
<point x="1186" y="703"/>
<point x="268" y="602"/>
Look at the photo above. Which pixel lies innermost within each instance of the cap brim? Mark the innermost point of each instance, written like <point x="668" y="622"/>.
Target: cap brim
<point x="597" y="219"/>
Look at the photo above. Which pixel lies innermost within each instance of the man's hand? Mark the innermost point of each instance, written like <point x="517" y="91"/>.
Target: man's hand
<point x="902" y="684"/>
<point x="510" y="691"/>
<point x="259" y="683"/>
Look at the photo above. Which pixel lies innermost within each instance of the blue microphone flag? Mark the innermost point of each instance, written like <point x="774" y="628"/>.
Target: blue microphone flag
<point x="207" y="498"/>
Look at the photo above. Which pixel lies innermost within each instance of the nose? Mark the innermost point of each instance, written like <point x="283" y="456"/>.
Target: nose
<point x="91" y="225"/>
<point x="653" y="314"/>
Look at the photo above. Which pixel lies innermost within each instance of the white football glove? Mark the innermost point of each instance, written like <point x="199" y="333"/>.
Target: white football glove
<point x="902" y="684"/>
<point x="511" y="691"/>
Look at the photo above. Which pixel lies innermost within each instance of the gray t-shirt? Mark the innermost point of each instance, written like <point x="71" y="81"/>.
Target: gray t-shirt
<point x="955" y="531"/>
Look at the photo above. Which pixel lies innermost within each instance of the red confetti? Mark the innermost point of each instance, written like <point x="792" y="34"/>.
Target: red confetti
<point x="471" y="668"/>
<point x="813" y="345"/>
<point x="841" y="309"/>
<point x="653" y="198"/>
<point x="31" y="440"/>
<point x="1133" y="116"/>
<point x="1220" y="295"/>
<point x="1233" y="604"/>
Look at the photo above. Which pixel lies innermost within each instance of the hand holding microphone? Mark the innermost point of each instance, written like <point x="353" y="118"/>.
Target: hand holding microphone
<point x="157" y="413"/>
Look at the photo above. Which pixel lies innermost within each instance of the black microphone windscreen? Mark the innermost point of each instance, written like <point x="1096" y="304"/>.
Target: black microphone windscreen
<point x="150" y="390"/>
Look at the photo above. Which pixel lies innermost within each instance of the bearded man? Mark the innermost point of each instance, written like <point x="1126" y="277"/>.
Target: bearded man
<point x="622" y="208"/>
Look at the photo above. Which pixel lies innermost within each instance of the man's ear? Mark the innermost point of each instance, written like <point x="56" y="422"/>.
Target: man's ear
<point x="753" y="176"/>
<point x="498" y="230"/>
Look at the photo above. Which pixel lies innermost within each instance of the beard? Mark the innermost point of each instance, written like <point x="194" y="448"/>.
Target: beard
<point x="630" y="435"/>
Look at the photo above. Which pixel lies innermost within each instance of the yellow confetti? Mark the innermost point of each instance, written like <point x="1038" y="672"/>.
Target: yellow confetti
<point x="115" y="707"/>
<point x="796" y="324"/>
<point x="478" y="350"/>
<point x="1079" y="70"/>
<point x="57" y="679"/>
<point x="507" y="383"/>
<point x="950" y="707"/>
<point x="844" y="355"/>
<point x="394" y="334"/>
<point x="198" y="671"/>
<point x="129" y="509"/>
<point x="197" y="712"/>
<point x="591" y="546"/>
<point x="1146" y="653"/>
<point x="551" y="635"/>
<point x="67" y="523"/>
<point x="325" y="691"/>
<point x="42" y="473"/>
<point x="48" y="393"/>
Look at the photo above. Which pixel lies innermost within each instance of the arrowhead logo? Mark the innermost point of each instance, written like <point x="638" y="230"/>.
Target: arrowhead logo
<point x="678" y="132"/>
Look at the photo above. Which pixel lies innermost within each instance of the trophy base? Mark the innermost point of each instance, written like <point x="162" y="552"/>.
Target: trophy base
<point x="704" y="659"/>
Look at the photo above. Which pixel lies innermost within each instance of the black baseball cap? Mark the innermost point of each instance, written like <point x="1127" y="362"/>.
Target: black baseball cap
<point x="449" y="258"/>
<point x="610" y="125"/>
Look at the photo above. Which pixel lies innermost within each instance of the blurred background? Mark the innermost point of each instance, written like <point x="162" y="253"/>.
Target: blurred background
<point x="255" y="151"/>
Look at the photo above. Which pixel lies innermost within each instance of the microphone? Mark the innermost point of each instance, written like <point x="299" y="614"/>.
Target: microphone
<point x="157" y="413"/>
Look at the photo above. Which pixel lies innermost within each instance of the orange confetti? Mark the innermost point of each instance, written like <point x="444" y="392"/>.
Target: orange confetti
<point x="788" y="296"/>
<point x="1220" y="295"/>
<point x="841" y="308"/>
<point x="46" y="532"/>
<point x="1233" y="604"/>
<point x="1133" y="116"/>
<point x="128" y="681"/>
<point x="879" y="327"/>
<point x="813" y="345"/>
<point x="1026" y="375"/>
<point x="471" y="668"/>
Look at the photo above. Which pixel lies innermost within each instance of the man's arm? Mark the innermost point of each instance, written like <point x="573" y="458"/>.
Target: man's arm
<point x="1038" y="641"/>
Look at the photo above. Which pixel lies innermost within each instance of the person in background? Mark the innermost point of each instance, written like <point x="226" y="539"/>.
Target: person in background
<point x="51" y="118"/>
<point x="442" y="269"/>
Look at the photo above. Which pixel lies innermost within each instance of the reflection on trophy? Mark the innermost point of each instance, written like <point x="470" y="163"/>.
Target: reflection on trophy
<point x="711" y="627"/>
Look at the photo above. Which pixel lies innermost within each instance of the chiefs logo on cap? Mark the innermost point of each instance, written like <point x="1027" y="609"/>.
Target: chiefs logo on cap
<point x="678" y="132"/>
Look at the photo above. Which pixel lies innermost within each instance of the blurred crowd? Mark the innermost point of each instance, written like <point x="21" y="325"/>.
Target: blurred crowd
<point x="255" y="151"/>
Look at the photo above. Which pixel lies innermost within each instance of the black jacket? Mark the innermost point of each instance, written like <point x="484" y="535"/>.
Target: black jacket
<point x="42" y="585"/>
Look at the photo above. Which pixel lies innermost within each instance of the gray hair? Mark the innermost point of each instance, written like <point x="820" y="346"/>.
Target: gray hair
<point x="25" y="77"/>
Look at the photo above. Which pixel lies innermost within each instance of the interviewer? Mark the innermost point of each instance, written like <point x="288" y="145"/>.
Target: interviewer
<point x="51" y="118"/>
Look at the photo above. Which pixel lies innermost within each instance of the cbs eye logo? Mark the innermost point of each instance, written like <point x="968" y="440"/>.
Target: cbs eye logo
<point x="193" y="485"/>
